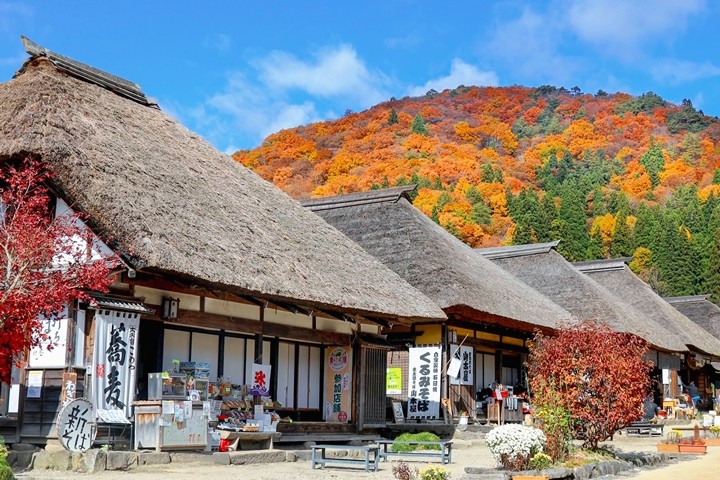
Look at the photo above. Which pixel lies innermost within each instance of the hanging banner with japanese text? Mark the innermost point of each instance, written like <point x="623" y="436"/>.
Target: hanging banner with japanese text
<point x="260" y="380"/>
<point x="52" y="349"/>
<point x="424" y="382"/>
<point x="466" y="375"/>
<point x="338" y="384"/>
<point x="115" y="359"/>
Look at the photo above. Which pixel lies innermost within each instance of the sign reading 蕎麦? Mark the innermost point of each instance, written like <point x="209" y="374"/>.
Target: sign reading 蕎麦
<point x="114" y="359"/>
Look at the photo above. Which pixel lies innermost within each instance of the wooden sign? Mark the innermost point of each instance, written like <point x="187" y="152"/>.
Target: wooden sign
<point x="398" y="412"/>
<point x="69" y="383"/>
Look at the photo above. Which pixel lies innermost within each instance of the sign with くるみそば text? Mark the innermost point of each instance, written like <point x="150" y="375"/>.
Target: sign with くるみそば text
<point x="424" y="382"/>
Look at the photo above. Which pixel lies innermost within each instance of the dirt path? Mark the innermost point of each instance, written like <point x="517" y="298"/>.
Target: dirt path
<point x="465" y="453"/>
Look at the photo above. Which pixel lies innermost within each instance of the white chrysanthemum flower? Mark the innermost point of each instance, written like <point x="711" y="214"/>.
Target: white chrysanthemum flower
<point x="511" y="441"/>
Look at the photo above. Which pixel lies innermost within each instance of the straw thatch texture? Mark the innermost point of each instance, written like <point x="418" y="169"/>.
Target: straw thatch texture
<point x="541" y="267"/>
<point x="616" y="276"/>
<point x="701" y="311"/>
<point x="389" y="227"/>
<point x="178" y="206"/>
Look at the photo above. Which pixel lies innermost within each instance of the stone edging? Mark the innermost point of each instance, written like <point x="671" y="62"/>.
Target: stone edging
<point x="625" y="461"/>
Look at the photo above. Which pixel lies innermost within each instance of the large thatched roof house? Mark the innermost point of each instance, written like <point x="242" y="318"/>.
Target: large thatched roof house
<point x="616" y="276"/>
<point x="239" y="276"/>
<point x="387" y="225"/>
<point x="543" y="268"/>
<point x="173" y="204"/>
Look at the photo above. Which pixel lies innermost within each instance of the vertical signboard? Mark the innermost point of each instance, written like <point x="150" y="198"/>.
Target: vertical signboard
<point x="424" y="382"/>
<point x="393" y="381"/>
<point x="466" y="373"/>
<point x="338" y="384"/>
<point x="115" y="359"/>
<point x="51" y="350"/>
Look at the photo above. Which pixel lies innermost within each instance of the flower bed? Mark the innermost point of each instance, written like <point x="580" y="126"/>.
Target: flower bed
<point x="514" y="445"/>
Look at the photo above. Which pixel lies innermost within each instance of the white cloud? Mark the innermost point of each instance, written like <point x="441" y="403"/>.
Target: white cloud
<point x="530" y="47"/>
<point x="461" y="73"/>
<point x="335" y="72"/>
<point x="623" y="27"/>
<point x="676" y="72"/>
<point x="291" y="116"/>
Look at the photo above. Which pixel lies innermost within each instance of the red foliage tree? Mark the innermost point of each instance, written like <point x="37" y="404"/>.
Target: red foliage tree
<point x="46" y="260"/>
<point x="600" y="375"/>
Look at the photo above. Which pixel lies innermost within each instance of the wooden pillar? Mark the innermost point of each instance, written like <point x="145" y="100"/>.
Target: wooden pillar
<point x="257" y="356"/>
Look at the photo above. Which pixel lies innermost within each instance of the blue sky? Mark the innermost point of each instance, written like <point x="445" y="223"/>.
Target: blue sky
<point x="235" y="71"/>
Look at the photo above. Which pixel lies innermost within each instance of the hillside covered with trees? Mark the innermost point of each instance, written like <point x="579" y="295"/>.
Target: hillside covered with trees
<point x="611" y="175"/>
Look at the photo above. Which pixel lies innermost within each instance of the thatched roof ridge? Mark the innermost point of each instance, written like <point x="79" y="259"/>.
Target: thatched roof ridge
<point x="434" y="261"/>
<point x="392" y="194"/>
<point x="623" y="283"/>
<point x="700" y="310"/>
<point x="176" y="205"/>
<point x="518" y="250"/>
<point x="556" y="278"/>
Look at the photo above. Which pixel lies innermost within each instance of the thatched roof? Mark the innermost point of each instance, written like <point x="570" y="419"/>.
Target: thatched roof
<point x="175" y="205"/>
<point x="615" y="275"/>
<point x="388" y="226"/>
<point x="701" y="311"/>
<point x="544" y="269"/>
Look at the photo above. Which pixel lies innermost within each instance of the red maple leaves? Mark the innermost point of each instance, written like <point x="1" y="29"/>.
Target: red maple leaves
<point x="45" y="260"/>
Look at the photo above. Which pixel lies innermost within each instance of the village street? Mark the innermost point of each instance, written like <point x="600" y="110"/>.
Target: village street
<point x="465" y="454"/>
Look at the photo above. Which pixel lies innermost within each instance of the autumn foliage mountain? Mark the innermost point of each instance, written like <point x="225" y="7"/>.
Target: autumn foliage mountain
<point x="608" y="174"/>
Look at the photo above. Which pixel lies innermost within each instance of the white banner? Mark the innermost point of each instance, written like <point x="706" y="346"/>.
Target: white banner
<point x="424" y="382"/>
<point x="53" y="334"/>
<point x="115" y="359"/>
<point x="260" y="380"/>
<point x="466" y="372"/>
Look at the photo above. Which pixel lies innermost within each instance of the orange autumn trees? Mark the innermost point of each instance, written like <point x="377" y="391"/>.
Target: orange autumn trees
<point x="481" y="150"/>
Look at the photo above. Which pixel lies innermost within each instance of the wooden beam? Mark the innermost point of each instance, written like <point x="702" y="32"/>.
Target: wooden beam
<point x="244" y="325"/>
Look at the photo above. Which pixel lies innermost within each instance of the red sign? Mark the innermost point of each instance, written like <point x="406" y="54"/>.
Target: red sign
<point x="342" y="416"/>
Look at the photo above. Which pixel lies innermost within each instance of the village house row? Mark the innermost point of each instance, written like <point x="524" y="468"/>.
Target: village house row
<point x="225" y="273"/>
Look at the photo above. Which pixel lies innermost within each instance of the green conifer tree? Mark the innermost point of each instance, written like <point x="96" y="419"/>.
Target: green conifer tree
<point x="572" y="223"/>
<point x="622" y="244"/>
<point x="393" y="118"/>
<point x="418" y="125"/>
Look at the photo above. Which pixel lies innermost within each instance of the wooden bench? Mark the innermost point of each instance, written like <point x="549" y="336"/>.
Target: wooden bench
<point x="444" y="454"/>
<point x="319" y="456"/>
<point x="639" y="428"/>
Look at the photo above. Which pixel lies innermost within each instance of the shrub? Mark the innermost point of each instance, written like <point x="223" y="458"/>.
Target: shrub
<point x="715" y="431"/>
<point x="514" y="445"/>
<point x="416" y="437"/>
<point x="6" y="472"/>
<point x="601" y="389"/>
<point x="554" y="420"/>
<point x="402" y="471"/>
<point x="433" y="473"/>
<point x="540" y="461"/>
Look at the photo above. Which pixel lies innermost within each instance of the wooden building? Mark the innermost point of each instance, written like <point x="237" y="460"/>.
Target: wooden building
<point x="707" y="315"/>
<point x="220" y="266"/>
<point x="542" y="267"/>
<point x="700" y="345"/>
<point x="489" y="311"/>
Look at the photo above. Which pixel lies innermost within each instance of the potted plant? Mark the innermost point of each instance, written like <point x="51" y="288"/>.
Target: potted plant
<point x="695" y="446"/>
<point x="670" y="445"/>
<point x="714" y="439"/>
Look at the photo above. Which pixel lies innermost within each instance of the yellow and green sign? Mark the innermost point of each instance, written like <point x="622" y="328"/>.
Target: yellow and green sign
<point x="393" y="381"/>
